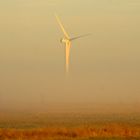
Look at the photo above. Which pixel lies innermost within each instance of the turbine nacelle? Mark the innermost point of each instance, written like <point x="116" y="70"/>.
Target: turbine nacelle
<point x="64" y="40"/>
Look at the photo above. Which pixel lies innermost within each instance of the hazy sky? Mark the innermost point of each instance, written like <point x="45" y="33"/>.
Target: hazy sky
<point x="104" y="67"/>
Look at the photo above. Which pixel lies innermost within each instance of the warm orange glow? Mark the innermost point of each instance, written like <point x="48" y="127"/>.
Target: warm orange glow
<point x="68" y="45"/>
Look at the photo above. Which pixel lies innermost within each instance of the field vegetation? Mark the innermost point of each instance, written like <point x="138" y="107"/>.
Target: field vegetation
<point x="71" y="126"/>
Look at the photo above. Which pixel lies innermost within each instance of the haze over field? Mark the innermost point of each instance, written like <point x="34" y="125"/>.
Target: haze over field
<point x="104" y="68"/>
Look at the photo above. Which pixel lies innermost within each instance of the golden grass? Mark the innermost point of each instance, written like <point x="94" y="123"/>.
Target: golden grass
<point x="110" y="130"/>
<point x="71" y="126"/>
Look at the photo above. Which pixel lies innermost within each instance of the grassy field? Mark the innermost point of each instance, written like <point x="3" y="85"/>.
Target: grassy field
<point x="70" y="126"/>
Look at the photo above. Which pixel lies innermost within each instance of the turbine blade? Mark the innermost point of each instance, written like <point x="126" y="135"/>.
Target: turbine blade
<point x="62" y="27"/>
<point x="71" y="39"/>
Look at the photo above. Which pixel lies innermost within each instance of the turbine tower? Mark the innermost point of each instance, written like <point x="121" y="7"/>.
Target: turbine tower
<point x="67" y="41"/>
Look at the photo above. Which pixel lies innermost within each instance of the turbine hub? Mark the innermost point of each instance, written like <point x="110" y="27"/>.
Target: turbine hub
<point x="64" y="40"/>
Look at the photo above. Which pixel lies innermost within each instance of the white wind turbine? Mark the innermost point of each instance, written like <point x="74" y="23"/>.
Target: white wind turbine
<point x="67" y="41"/>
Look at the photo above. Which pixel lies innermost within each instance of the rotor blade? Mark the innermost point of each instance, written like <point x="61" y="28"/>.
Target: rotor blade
<point x="71" y="39"/>
<point x="61" y="26"/>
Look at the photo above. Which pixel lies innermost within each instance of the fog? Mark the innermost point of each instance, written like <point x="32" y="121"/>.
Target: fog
<point x="104" y="70"/>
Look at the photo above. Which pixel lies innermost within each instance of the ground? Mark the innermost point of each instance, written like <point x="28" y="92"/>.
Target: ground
<point x="69" y="126"/>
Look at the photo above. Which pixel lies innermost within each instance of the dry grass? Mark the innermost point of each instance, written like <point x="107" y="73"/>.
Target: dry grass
<point x="111" y="130"/>
<point x="71" y="127"/>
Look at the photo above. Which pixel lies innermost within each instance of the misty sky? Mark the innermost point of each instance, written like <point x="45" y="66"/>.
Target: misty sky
<point x="104" y="67"/>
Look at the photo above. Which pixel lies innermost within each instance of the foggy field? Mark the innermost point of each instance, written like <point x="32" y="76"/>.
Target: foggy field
<point x="58" y="83"/>
<point x="70" y="126"/>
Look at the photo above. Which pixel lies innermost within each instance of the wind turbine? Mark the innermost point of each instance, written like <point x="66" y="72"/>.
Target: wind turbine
<point x="67" y="41"/>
